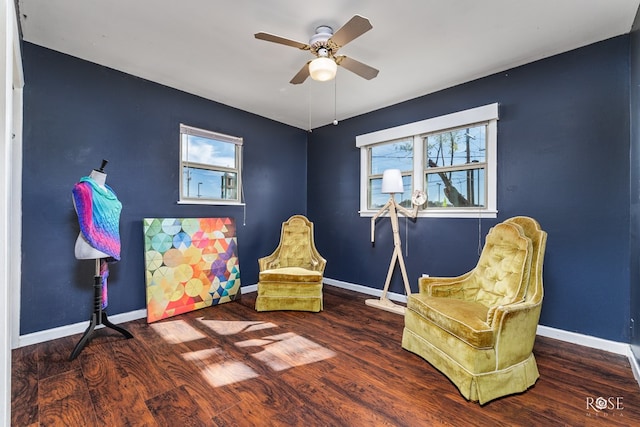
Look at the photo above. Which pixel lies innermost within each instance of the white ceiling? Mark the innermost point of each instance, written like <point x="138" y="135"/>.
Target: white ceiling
<point x="207" y="47"/>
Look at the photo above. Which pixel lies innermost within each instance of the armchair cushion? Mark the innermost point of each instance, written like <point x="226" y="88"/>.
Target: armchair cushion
<point x="504" y="267"/>
<point x="464" y="319"/>
<point x="291" y="274"/>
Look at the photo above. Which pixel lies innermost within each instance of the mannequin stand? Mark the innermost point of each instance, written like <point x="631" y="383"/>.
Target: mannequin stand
<point x="99" y="316"/>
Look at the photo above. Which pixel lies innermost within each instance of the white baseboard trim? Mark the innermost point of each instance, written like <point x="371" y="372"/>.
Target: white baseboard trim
<point x="635" y="367"/>
<point x="545" y="331"/>
<point x="584" y="340"/>
<point x="76" y="328"/>
<point x="365" y="290"/>
<point x="248" y="289"/>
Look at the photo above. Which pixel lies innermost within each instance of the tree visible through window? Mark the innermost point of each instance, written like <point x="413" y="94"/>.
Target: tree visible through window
<point x="455" y="168"/>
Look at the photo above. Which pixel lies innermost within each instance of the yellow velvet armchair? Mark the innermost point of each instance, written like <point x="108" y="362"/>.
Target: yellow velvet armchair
<point x="479" y="328"/>
<point x="291" y="277"/>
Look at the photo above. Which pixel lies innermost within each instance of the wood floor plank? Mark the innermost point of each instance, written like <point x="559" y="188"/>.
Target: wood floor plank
<point x="269" y="401"/>
<point x="111" y="391"/>
<point x="142" y="365"/>
<point x="24" y="386"/>
<point x="176" y="407"/>
<point x="53" y="357"/>
<point x="64" y="400"/>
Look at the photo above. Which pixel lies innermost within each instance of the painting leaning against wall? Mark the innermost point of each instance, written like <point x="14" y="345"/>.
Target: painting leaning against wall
<point x="190" y="263"/>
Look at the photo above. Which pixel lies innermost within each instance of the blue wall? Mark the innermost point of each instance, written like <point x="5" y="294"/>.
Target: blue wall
<point x="76" y="114"/>
<point x="563" y="158"/>
<point x="563" y="153"/>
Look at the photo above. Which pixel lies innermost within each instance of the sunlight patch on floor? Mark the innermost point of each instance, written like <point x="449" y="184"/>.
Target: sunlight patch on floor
<point x="204" y="355"/>
<point x="218" y="368"/>
<point x="287" y="350"/>
<point x="228" y="373"/>
<point x="177" y="331"/>
<point x="230" y="327"/>
<point x="279" y="352"/>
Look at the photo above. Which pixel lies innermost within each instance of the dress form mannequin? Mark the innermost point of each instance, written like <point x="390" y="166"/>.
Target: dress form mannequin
<point x="98" y="212"/>
<point x="83" y="249"/>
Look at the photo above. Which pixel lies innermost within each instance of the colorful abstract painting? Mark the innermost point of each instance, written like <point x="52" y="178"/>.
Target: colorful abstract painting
<point x="191" y="263"/>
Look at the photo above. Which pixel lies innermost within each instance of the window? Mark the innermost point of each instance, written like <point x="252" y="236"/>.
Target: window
<point x="455" y="168"/>
<point x="451" y="158"/>
<point x="391" y="155"/>
<point x="211" y="165"/>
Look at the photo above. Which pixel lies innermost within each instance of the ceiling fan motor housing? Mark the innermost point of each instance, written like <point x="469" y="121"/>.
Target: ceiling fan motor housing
<point x="320" y="42"/>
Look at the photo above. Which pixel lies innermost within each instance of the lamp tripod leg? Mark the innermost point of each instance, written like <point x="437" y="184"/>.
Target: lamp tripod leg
<point x="403" y="269"/>
<point x="384" y="303"/>
<point x="387" y="282"/>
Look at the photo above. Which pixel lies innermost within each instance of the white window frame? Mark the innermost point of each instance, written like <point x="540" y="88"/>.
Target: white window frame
<point x="487" y="114"/>
<point x="190" y="130"/>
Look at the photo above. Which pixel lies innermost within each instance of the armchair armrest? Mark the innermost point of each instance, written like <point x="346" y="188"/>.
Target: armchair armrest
<point x="268" y="262"/>
<point x="318" y="263"/>
<point x="441" y="286"/>
<point x="515" y="328"/>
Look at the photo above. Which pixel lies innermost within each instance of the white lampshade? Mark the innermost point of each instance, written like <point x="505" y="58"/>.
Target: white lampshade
<point x="392" y="181"/>
<point x="323" y="69"/>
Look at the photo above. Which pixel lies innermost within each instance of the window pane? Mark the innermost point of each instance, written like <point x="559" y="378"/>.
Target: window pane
<point x="456" y="147"/>
<point x="208" y="184"/>
<point x="456" y="189"/>
<point x="209" y="151"/>
<point x="377" y="198"/>
<point x="396" y="155"/>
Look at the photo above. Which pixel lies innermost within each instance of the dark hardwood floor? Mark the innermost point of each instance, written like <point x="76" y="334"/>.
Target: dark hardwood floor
<point x="229" y="365"/>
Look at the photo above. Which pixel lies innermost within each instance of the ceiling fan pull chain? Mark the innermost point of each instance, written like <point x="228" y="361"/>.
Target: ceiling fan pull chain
<point x="309" y="104"/>
<point x="335" y="101"/>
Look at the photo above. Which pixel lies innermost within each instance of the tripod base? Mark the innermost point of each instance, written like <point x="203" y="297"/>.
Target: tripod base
<point x="97" y="319"/>
<point x="385" y="304"/>
<point x="99" y="316"/>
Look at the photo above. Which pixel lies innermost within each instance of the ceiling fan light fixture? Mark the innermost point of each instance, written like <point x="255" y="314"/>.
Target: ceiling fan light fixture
<point x="323" y="69"/>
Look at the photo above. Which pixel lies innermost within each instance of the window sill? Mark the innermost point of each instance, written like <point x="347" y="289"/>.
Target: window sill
<point x="210" y="202"/>
<point x="442" y="213"/>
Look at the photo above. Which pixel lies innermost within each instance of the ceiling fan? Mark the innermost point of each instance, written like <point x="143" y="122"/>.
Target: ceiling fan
<point x="324" y="44"/>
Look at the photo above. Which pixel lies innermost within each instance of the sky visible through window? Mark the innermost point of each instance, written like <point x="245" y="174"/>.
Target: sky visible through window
<point x="207" y="182"/>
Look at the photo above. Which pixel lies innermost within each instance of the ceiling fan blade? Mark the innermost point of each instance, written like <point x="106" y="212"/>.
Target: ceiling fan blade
<point x="357" y="26"/>
<point x="281" y="40"/>
<point x="357" y="67"/>
<point x="301" y="76"/>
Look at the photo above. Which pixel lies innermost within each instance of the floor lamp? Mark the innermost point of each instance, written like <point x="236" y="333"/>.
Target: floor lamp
<point x="391" y="184"/>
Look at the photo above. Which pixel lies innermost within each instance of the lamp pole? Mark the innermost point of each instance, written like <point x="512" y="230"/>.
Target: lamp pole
<point x="393" y="207"/>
